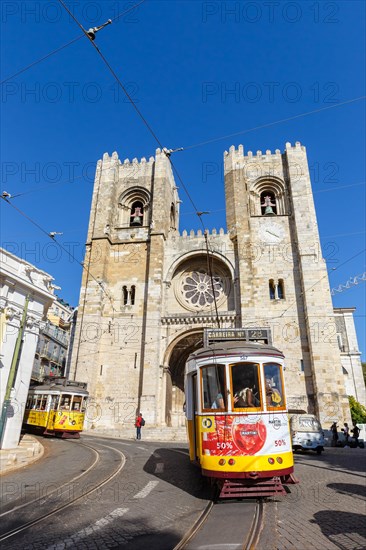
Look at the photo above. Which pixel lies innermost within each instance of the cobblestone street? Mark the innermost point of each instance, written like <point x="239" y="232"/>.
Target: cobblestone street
<point x="326" y="510"/>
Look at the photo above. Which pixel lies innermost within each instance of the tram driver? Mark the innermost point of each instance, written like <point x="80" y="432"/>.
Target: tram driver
<point x="245" y="385"/>
<point x="245" y="397"/>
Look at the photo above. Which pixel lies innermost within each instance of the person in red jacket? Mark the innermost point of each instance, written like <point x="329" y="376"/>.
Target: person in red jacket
<point x="138" y="424"/>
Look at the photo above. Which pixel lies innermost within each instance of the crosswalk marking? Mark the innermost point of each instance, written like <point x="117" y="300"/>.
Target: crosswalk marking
<point x="83" y="533"/>
<point x="147" y="489"/>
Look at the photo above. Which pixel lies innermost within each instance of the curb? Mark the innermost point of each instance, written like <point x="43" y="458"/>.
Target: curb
<point x="28" y="451"/>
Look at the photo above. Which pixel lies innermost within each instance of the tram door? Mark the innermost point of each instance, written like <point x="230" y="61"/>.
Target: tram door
<point x="194" y="394"/>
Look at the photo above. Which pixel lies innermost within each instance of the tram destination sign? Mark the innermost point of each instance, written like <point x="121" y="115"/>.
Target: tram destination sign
<point x="216" y="335"/>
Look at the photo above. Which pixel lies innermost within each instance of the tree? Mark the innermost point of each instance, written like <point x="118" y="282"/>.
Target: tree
<point x="358" y="411"/>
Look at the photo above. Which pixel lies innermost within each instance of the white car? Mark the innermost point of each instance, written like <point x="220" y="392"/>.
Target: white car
<point x="306" y="432"/>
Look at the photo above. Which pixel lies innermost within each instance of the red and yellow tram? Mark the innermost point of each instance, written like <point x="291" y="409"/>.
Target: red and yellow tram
<point x="237" y="418"/>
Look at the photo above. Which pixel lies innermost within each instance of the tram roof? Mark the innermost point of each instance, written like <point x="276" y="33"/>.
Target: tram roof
<point x="235" y="348"/>
<point x="59" y="385"/>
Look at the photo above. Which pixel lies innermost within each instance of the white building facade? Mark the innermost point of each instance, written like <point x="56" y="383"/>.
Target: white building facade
<point x="26" y="293"/>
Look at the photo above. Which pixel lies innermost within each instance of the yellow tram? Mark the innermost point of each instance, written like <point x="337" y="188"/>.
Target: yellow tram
<point x="56" y="408"/>
<point x="237" y="419"/>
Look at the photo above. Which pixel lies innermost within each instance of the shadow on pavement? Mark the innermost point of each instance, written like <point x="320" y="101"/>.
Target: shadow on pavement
<point x="174" y="466"/>
<point x="347" y="461"/>
<point x="349" y="489"/>
<point x="345" y="530"/>
<point x="136" y="534"/>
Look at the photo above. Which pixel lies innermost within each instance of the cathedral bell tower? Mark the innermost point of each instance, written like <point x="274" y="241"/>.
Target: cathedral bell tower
<point x="282" y="275"/>
<point x="135" y="207"/>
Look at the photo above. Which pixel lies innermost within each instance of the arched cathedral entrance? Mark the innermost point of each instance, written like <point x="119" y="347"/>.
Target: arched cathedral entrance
<point x="175" y="359"/>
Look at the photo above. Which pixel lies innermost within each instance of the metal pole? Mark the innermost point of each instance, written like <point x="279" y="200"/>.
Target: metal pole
<point x="13" y="370"/>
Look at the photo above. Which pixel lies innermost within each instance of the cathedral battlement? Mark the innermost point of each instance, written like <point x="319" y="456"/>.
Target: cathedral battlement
<point x="158" y="153"/>
<point x="192" y="234"/>
<point x="235" y="158"/>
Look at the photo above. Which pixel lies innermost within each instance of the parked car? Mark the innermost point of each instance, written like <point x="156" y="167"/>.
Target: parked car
<point x="306" y="432"/>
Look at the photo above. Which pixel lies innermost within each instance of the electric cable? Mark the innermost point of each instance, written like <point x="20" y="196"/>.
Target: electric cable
<point x="24" y="69"/>
<point x="148" y="126"/>
<point x="241" y="132"/>
<point x="48" y="234"/>
<point x="144" y="120"/>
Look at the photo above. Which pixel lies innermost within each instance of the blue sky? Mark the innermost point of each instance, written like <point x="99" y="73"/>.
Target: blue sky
<point x="197" y="71"/>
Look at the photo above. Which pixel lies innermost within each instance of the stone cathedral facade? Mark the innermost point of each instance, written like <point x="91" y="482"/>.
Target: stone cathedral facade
<point x="148" y="291"/>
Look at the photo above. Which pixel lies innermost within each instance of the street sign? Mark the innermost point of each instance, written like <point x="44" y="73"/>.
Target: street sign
<point x="216" y="335"/>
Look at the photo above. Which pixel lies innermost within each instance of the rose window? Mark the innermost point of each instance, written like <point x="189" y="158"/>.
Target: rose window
<point x="198" y="289"/>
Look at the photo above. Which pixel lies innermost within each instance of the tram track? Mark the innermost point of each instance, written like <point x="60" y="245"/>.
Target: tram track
<point x="42" y="499"/>
<point x="58" y="508"/>
<point x="202" y="530"/>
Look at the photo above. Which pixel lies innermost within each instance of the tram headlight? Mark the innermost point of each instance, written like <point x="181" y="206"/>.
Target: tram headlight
<point x="231" y="461"/>
<point x="271" y="460"/>
<point x="222" y="461"/>
<point x="279" y="460"/>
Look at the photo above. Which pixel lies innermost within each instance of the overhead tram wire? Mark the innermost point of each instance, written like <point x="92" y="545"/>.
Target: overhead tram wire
<point x="168" y="153"/>
<point x="115" y="76"/>
<point x="202" y="143"/>
<point x="319" y="281"/>
<point x="269" y="124"/>
<point x="24" y="69"/>
<point x="52" y="237"/>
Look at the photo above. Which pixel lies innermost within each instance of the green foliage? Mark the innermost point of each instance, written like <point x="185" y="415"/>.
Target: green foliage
<point x="358" y="411"/>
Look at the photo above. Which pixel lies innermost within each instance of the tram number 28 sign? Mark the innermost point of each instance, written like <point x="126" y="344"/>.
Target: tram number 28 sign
<point x="212" y="336"/>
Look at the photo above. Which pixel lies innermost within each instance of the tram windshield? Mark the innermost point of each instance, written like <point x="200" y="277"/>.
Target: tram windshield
<point x="213" y="387"/>
<point x="274" y="385"/>
<point x="54" y="402"/>
<point x="245" y="383"/>
<point x="65" y="402"/>
<point x="77" y="403"/>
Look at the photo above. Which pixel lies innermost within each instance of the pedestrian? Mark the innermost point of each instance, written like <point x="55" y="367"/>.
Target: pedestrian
<point x="345" y="431"/>
<point x="334" y="434"/>
<point x="138" y="425"/>
<point x="356" y="433"/>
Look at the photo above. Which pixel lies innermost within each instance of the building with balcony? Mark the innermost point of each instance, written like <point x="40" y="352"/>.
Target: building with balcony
<point x="53" y="343"/>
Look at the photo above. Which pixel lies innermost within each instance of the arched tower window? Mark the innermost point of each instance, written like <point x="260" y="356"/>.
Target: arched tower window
<point x="137" y="214"/>
<point x="134" y="208"/>
<point x="133" y="292"/>
<point x="268" y="203"/>
<point x="125" y="295"/>
<point x="276" y="289"/>
<point x="272" y="290"/>
<point x="281" y="289"/>
<point x="268" y="197"/>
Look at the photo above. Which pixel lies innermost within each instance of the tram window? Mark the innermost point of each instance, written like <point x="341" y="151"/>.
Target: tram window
<point x="76" y="403"/>
<point x="29" y="403"/>
<point x="37" y="402"/>
<point x="213" y="387"/>
<point x="83" y="405"/>
<point x="42" y="404"/>
<point x="54" y="402"/>
<point x="274" y="386"/>
<point x="246" y="393"/>
<point x="65" y="402"/>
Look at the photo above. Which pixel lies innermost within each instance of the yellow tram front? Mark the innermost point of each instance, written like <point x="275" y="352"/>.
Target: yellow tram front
<point x="236" y="412"/>
<point x="56" y="408"/>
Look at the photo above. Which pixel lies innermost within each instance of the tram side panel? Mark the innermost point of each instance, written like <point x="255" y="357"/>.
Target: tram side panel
<point x="243" y="444"/>
<point x="55" y="412"/>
